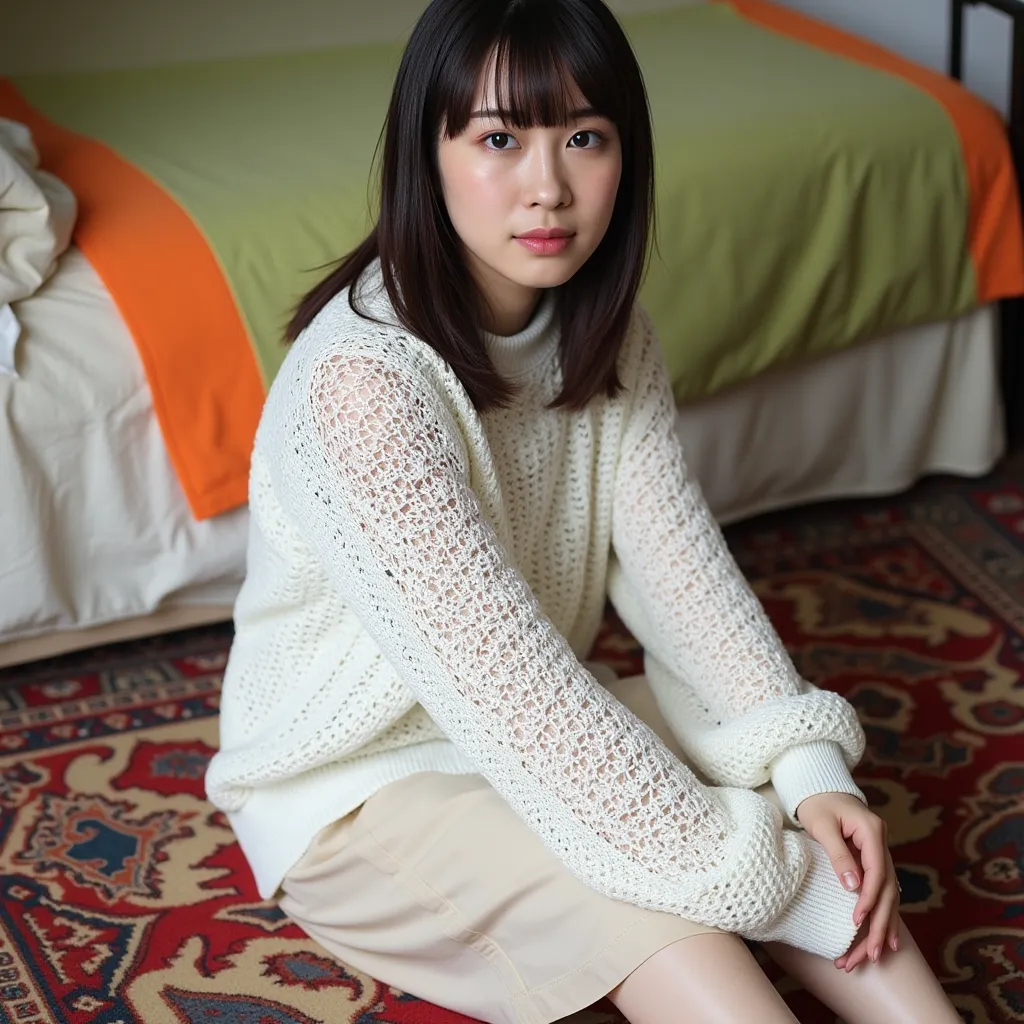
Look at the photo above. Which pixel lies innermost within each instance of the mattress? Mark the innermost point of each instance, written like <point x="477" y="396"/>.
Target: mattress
<point x="97" y="542"/>
<point x="94" y="527"/>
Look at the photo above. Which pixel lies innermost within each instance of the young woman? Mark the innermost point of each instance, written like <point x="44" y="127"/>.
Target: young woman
<point x="469" y="447"/>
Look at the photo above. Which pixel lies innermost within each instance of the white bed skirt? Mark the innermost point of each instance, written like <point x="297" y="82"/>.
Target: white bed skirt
<point x="869" y="420"/>
<point x="97" y="536"/>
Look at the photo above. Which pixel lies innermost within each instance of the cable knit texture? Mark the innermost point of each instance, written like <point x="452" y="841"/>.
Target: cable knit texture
<point x="423" y="581"/>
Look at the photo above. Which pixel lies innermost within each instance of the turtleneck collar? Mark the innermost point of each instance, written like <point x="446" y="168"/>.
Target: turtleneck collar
<point x="515" y="354"/>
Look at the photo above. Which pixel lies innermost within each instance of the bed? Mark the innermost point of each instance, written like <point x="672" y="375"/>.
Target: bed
<point x="818" y="353"/>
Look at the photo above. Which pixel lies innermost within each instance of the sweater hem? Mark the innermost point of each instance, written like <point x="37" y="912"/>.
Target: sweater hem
<point x="278" y="822"/>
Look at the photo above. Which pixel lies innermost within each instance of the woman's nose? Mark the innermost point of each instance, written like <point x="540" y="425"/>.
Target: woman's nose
<point x="546" y="184"/>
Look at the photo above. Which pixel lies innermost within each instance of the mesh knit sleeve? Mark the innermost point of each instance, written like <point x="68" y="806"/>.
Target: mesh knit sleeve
<point x="719" y="671"/>
<point x="381" y="492"/>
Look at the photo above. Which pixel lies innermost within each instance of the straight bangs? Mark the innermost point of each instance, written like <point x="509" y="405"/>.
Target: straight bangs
<point x="542" y="59"/>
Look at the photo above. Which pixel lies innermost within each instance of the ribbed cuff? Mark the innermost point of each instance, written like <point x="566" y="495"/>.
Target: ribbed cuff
<point x="819" y="918"/>
<point x="808" y="769"/>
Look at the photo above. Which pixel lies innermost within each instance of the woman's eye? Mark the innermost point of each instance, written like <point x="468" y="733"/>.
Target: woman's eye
<point x="501" y="140"/>
<point x="581" y="139"/>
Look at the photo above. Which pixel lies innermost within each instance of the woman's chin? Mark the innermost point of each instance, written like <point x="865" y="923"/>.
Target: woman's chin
<point x="543" y="271"/>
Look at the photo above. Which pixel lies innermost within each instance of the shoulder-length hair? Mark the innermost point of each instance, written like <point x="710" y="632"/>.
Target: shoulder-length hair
<point x="544" y="51"/>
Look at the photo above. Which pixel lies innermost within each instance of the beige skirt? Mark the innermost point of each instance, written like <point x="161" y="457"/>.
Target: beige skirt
<point x="435" y="887"/>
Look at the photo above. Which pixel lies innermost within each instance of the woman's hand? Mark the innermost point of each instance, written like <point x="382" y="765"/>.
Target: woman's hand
<point x="832" y="819"/>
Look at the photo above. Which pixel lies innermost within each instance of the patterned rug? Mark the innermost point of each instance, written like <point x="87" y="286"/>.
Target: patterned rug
<point x="124" y="897"/>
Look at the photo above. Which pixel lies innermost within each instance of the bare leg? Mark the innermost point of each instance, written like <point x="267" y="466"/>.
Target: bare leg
<point x="703" y="979"/>
<point x="899" y="989"/>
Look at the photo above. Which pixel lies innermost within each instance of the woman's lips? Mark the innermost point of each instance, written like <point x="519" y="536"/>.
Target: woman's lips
<point x="545" y="246"/>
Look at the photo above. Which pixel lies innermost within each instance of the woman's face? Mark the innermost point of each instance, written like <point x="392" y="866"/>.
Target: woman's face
<point x="530" y="206"/>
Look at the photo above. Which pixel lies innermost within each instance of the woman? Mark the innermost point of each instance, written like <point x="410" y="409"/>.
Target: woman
<point x="469" y="447"/>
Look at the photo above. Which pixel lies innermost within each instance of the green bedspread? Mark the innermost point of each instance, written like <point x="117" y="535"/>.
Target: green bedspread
<point x="804" y="201"/>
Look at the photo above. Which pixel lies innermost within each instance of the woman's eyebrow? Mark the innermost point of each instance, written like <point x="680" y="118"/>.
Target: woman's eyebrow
<point x="574" y="115"/>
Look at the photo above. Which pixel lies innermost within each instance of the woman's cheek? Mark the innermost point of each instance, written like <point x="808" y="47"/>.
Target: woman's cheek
<point x="609" y="182"/>
<point x="472" y="186"/>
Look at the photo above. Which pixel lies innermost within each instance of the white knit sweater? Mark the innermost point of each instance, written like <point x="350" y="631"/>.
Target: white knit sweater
<point x="422" y="582"/>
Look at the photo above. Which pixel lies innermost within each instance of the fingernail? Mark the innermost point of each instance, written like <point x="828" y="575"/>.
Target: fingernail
<point x="850" y="880"/>
<point x="874" y="955"/>
<point x="895" y="943"/>
<point x="858" y="917"/>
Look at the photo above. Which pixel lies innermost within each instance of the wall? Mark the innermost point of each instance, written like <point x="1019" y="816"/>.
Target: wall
<point x="49" y="35"/>
<point x="71" y="35"/>
<point x="919" y="29"/>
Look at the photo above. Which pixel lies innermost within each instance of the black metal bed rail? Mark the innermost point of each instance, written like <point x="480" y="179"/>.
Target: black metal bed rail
<point x="1012" y="310"/>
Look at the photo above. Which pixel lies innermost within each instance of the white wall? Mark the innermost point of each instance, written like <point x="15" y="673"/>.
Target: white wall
<point x="919" y="29"/>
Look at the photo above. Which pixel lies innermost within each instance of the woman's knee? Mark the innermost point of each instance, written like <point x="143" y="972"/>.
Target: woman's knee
<point x="710" y="978"/>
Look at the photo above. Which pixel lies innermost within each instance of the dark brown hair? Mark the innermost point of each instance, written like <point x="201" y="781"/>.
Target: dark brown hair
<point x="545" y="50"/>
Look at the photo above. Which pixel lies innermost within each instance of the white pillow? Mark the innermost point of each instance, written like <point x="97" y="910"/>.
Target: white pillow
<point x="37" y="215"/>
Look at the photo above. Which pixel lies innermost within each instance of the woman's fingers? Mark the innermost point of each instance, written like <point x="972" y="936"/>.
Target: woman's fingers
<point x="854" y="947"/>
<point x="829" y="834"/>
<point x="856" y="954"/>
<point x="855" y="957"/>
<point x="870" y="840"/>
<point x="881" y="917"/>
<point x="863" y="862"/>
<point x="892" y="933"/>
<point x="881" y="930"/>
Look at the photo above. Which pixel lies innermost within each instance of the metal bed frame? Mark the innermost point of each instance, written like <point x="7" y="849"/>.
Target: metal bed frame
<point x="1012" y="310"/>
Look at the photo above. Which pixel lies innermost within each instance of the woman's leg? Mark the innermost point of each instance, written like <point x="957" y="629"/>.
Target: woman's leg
<point x="899" y="989"/>
<point x="703" y="979"/>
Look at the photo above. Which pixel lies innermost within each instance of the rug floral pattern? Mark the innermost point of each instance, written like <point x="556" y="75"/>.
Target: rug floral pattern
<point x="123" y="896"/>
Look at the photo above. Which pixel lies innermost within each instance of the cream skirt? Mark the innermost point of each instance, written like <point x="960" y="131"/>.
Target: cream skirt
<point x="436" y="888"/>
